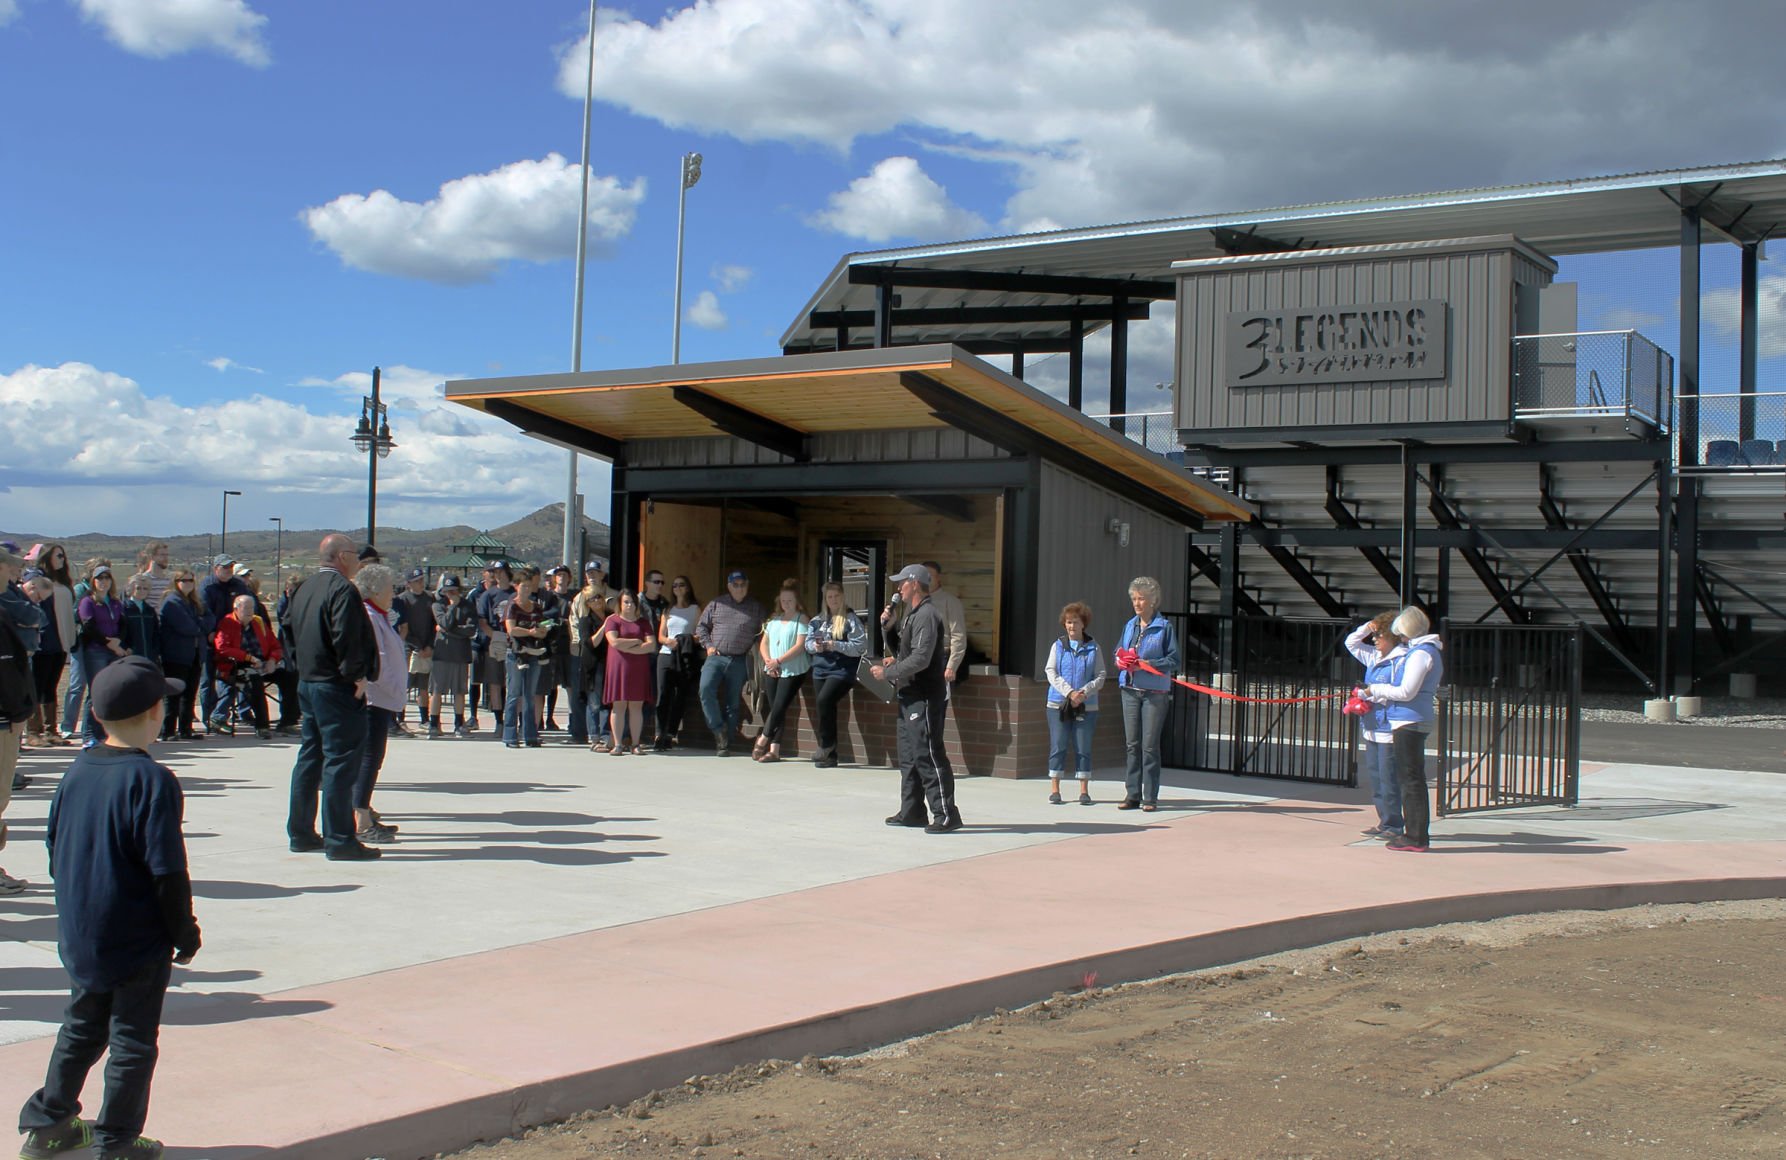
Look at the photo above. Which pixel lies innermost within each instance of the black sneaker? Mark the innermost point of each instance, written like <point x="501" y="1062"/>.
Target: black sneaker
<point x="1128" y="804"/>
<point x="948" y="826"/>
<point x="433" y="730"/>
<point x="902" y="820"/>
<point x="289" y="729"/>
<point x="141" y="1148"/>
<point x="306" y="844"/>
<point x="358" y="852"/>
<point x="65" y="1139"/>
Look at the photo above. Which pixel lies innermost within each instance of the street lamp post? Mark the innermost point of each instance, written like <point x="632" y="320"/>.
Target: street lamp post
<point x="278" y="556"/>
<point x="691" y="173"/>
<point x="223" y="531"/>
<point x="373" y="436"/>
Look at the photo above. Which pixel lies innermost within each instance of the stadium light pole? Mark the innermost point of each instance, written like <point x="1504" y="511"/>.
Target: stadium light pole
<point x="691" y="174"/>
<point x="373" y="436"/>
<point x="223" y="530"/>
<point x="278" y="556"/>
<point x="570" y="469"/>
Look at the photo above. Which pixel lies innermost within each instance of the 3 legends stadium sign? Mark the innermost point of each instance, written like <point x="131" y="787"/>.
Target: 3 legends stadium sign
<point x="1367" y="343"/>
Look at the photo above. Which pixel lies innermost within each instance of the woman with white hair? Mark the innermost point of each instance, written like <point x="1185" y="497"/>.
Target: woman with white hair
<point x="1146" y="696"/>
<point x="384" y="698"/>
<point x="1407" y="692"/>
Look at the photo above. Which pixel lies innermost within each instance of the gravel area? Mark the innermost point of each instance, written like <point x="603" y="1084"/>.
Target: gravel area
<point x="1747" y="713"/>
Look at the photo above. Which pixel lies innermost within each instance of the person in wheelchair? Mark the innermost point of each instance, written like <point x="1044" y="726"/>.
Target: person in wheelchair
<point x="246" y="652"/>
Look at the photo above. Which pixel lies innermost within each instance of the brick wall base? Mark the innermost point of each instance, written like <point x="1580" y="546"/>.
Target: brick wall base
<point x="996" y="726"/>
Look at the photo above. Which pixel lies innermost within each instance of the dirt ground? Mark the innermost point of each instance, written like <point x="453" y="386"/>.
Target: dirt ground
<point x="1652" y="1031"/>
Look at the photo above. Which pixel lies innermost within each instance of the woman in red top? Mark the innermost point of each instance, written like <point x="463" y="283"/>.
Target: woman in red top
<point x="631" y="653"/>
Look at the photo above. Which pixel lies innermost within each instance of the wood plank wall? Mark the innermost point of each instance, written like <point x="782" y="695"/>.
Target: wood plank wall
<point x="706" y="540"/>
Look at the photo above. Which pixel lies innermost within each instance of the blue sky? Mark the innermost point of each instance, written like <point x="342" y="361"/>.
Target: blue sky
<point x="217" y="215"/>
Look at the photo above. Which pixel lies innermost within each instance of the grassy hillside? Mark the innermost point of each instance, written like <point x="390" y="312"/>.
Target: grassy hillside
<point x="536" y="537"/>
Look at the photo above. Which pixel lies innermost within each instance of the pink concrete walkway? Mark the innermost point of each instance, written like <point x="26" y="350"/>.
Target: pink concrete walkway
<point x="429" y="1058"/>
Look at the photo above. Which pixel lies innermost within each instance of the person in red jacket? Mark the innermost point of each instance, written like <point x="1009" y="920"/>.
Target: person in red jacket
<point x="246" y="651"/>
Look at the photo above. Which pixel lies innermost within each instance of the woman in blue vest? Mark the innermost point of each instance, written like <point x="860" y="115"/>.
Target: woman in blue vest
<point x="1075" y="674"/>
<point x="1375" y="646"/>
<point x="1408" y="700"/>
<point x="1146" y="696"/>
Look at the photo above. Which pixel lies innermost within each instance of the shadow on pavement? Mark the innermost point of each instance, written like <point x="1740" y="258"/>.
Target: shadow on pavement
<point x="546" y="856"/>
<point x="1517" y="842"/>
<point x="208" y="889"/>
<point x="475" y="787"/>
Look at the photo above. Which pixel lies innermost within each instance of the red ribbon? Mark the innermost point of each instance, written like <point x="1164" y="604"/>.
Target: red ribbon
<point x="1227" y="696"/>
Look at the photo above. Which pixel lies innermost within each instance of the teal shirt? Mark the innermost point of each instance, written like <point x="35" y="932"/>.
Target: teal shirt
<point x="781" y="635"/>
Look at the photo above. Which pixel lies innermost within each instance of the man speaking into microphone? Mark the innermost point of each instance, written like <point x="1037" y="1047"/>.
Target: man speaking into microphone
<point x="922" y="697"/>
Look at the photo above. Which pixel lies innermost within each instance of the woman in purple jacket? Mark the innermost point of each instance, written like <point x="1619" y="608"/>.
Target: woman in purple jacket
<point x="101" y="616"/>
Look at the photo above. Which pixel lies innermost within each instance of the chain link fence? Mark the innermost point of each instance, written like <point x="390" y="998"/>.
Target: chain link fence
<point x="1602" y="372"/>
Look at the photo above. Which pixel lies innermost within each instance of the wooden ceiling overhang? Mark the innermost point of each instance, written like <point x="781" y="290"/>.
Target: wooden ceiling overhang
<point x="781" y="403"/>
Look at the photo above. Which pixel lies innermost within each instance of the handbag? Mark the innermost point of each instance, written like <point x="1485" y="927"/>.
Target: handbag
<point x="420" y="665"/>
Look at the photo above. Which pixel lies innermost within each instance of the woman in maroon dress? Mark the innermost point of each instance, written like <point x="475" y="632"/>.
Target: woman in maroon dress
<point x="631" y="653"/>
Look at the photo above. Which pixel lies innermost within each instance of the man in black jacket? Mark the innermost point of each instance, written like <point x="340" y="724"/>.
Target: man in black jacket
<point x="923" y="699"/>
<point x="336" y="656"/>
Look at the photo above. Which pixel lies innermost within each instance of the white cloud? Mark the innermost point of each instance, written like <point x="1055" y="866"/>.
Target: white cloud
<point x="524" y="211"/>
<point x="705" y="311"/>
<point x="1166" y="107"/>
<point x="161" y="28"/>
<point x="222" y="363"/>
<point x="1722" y="310"/>
<point x="731" y="279"/>
<point x="76" y="430"/>
<point x="896" y="199"/>
<point x="9" y="11"/>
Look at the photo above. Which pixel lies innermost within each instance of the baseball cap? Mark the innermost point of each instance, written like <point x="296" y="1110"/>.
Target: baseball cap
<point x="221" y="561"/>
<point x="450" y="582"/>
<point x="558" y="569"/>
<point x="737" y="574"/>
<point x="417" y="574"/>
<point x="103" y="570"/>
<point x="129" y="686"/>
<point x="916" y="572"/>
<point x="596" y="565"/>
<point x="10" y="546"/>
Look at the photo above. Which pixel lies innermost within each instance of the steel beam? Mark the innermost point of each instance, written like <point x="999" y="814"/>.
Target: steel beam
<point x="1119" y="368"/>
<point x="1001" y="430"/>
<point x="1449" y="520"/>
<point x="1686" y="563"/>
<point x="982" y="315"/>
<point x="1305" y="580"/>
<point x="1318" y="454"/>
<point x="745" y="424"/>
<point x="1015" y="283"/>
<point x="955" y="476"/>
<point x="1714" y="615"/>
<point x="1076" y="367"/>
<point x="1584" y="569"/>
<point x="1202" y="562"/>
<point x="1686" y="361"/>
<point x="1343" y="517"/>
<point x="950" y="507"/>
<point x="554" y="430"/>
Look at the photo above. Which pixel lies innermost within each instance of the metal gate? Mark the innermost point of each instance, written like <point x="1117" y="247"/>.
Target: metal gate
<point x="1509" y="717"/>
<point x="1264" y="658"/>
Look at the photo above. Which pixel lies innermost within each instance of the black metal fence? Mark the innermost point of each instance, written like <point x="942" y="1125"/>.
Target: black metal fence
<point x="1509" y="708"/>
<point x="1509" y="728"/>
<point x="1264" y="659"/>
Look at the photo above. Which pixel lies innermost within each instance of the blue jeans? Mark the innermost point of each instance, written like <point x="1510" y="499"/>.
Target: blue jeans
<point x="578" y="718"/>
<point x="126" y="1018"/>
<point x="519" y="724"/>
<point x="1378" y="767"/>
<point x="1143" y="719"/>
<point x="1079" y="733"/>
<point x="722" y="683"/>
<point x="93" y="661"/>
<point x="334" y="732"/>
<point x="77" y="691"/>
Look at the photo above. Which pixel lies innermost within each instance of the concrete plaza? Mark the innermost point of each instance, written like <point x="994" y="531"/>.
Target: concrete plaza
<point x="558" y="930"/>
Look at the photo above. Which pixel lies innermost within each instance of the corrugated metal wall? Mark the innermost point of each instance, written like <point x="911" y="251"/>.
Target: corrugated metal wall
<point x="1079" y="559"/>
<point x="1476" y="283"/>
<point x="923" y="444"/>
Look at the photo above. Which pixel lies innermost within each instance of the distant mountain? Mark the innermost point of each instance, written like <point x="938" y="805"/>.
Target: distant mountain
<point x="537" y="537"/>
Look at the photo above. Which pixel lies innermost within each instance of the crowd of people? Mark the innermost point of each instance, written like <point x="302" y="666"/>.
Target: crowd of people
<point x="352" y="643"/>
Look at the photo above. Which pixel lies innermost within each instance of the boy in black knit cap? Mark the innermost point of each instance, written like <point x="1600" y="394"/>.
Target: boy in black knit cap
<point x="124" y="906"/>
